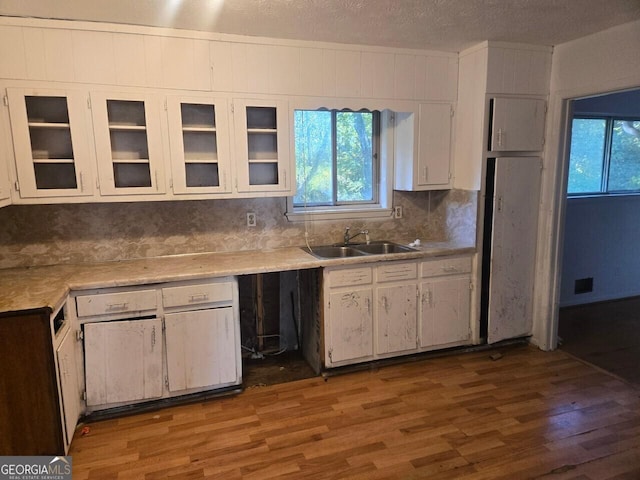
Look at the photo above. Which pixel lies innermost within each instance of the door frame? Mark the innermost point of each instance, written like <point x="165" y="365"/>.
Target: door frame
<point x="552" y="214"/>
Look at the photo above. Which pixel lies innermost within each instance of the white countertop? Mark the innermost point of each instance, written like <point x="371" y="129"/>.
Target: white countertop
<point x="47" y="287"/>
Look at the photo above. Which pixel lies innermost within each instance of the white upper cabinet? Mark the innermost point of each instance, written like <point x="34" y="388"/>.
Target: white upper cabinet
<point x="128" y="143"/>
<point x="262" y="146"/>
<point x="517" y="124"/>
<point x="199" y="139"/>
<point x="423" y="148"/>
<point x="52" y="143"/>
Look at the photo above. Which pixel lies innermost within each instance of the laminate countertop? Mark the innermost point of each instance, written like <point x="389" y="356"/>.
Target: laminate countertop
<point x="48" y="286"/>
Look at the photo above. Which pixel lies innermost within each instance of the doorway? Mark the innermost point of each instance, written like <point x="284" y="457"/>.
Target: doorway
<point x="600" y="284"/>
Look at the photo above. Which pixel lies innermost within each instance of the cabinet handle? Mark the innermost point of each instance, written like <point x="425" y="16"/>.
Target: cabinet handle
<point x="450" y="269"/>
<point x="499" y="135"/>
<point x="155" y="174"/>
<point x="369" y="305"/>
<point x="424" y="173"/>
<point x="81" y="182"/>
<point x="117" y="306"/>
<point x="198" y="297"/>
<point x="153" y="338"/>
<point x="284" y="176"/>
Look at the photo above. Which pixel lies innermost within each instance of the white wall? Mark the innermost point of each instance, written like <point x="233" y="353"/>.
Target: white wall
<point x="602" y="237"/>
<point x="602" y="62"/>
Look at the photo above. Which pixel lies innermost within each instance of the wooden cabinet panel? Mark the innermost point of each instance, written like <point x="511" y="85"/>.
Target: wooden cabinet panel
<point x="117" y="302"/>
<point x="350" y="325"/>
<point x="52" y="142"/>
<point x="69" y="391"/>
<point x="517" y="124"/>
<point x="205" y="293"/>
<point x="445" y="307"/>
<point x="397" y="318"/>
<point x="94" y="57"/>
<point x="123" y="361"/>
<point x="201" y="349"/>
<point x="30" y="419"/>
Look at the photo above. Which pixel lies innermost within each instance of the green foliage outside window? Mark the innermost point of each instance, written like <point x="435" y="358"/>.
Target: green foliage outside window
<point x="335" y="161"/>
<point x="605" y="156"/>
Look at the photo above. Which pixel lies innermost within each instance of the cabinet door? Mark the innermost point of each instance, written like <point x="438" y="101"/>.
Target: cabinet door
<point x="68" y="375"/>
<point x="128" y="143"/>
<point x="513" y="247"/>
<point x="396" y="318"/>
<point x="445" y="312"/>
<point x="123" y="361"/>
<point x="423" y="148"/>
<point x="517" y="124"/>
<point x="199" y="137"/>
<point x="434" y="145"/>
<point x="349" y="333"/>
<point x="202" y="349"/>
<point x="261" y="130"/>
<point x="51" y="142"/>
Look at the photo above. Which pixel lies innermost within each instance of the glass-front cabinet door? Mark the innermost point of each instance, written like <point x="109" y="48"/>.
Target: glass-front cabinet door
<point x="128" y="143"/>
<point x="262" y="146"/>
<point x="199" y="138"/>
<point x="51" y="142"/>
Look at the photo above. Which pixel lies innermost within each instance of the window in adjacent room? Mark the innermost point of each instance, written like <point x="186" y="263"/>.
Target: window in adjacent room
<point x="605" y="156"/>
<point x="337" y="155"/>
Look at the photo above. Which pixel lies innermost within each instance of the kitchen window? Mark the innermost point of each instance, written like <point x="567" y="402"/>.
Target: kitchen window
<point x="338" y="164"/>
<point x="605" y="156"/>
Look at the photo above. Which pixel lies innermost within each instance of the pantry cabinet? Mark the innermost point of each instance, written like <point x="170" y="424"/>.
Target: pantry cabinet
<point x="261" y="130"/>
<point x="52" y="142"/>
<point x="423" y="144"/>
<point x="199" y="140"/>
<point x="128" y="143"/>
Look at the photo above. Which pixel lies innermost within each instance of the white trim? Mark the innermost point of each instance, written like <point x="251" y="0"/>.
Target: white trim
<point x="301" y="215"/>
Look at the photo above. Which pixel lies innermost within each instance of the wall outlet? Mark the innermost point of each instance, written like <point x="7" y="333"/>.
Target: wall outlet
<point x="397" y="211"/>
<point x="251" y="219"/>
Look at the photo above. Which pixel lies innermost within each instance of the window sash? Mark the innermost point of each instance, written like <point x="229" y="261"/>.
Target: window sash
<point x="334" y="202"/>
<point x="607" y="157"/>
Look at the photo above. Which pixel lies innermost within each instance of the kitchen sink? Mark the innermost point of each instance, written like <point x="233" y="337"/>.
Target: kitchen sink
<point x="380" y="248"/>
<point x="358" y="249"/>
<point x="335" y="251"/>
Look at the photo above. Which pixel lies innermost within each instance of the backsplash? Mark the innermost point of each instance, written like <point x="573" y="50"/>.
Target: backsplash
<point x="77" y="233"/>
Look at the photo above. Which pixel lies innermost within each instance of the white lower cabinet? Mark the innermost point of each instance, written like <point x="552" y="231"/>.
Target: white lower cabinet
<point x="201" y="348"/>
<point x="69" y="391"/>
<point x="149" y="342"/>
<point x="395" y="308"/>
<point x="123" y="361"/>
<point x="445" y="299"/>
<point x="348" y="308"/>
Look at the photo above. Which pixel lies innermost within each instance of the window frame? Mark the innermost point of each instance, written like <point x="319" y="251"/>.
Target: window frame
<point x="384" y="171"/>
<point x="606" y="156"/>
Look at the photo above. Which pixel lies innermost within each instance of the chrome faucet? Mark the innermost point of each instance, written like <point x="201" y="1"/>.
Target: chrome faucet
<point x="348" y="238"/>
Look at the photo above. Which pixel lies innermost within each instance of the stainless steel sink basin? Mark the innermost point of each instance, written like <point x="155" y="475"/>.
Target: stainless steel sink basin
<point x="381" y="248"/>
<point x="335" y="251"/>
<point x="359" y="249"/>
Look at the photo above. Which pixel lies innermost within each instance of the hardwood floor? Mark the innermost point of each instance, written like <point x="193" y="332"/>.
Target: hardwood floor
<point x="606" y="334"/>
<point x="529" y="414"/>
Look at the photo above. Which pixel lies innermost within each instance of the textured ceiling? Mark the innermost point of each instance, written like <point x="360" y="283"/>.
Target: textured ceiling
<point x="451" y="25"/>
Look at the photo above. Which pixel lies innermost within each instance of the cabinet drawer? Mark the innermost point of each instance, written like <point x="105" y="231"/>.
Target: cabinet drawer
<point x="197" y="294"/>
<point x="109" y="303"/>
<point x="397" y="271"/>
<point x="446" y="266"/>
<point x="351" y="276"/>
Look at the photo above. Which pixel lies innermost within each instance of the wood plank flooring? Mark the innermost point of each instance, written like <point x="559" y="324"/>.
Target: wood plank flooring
<point x="606" y="334"/>
<point x="529" y="414"/>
